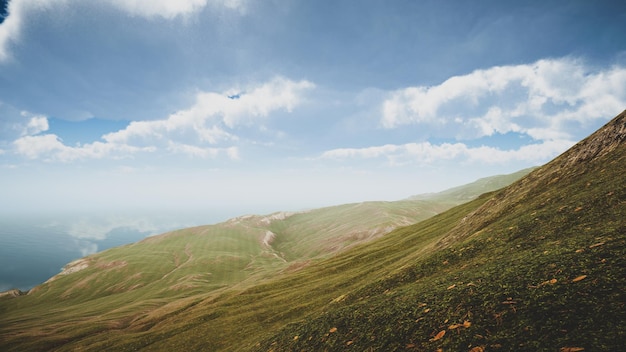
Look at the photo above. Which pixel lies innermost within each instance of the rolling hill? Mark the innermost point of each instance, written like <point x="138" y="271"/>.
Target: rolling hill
<point x="147" y="279"/>
<point x="538" y="265"/>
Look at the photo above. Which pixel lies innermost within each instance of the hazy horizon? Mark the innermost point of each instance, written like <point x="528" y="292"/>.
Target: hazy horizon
<point x="36" y="244"/>
<point x="262" y="106"/>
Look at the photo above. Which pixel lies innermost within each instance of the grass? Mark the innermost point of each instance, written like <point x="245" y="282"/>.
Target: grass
<point x="136" y="287"/>
<point x="539" y="265"/>
<point x="534" y="268"/>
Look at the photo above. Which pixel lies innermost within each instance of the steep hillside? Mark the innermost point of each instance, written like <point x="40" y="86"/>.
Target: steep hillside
<point x="539" y="265"/>
<point x="134" y="285"/>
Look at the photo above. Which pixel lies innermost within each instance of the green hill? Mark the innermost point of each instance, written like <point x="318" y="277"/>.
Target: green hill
<point x="242" y="249"/>
<point x="472" y="190"/>
<point x="538" y="265"/>
<point x="124" y="286"/>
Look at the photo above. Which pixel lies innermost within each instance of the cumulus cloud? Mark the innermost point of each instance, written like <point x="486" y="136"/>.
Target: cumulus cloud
<point x="50" y="147"/>
<point x="207" y="121"/>
<point x="546" y="100"/>
<point x="427" y="153"/>
<point x="35" y="125"/>
<point x="163" y="8"/>
<point x="15" y="123"/>
<point x="19" y="11"/>
<point x="550" y="101"/>
<point x="169" y="9"/>
<point x="200" y="131"/>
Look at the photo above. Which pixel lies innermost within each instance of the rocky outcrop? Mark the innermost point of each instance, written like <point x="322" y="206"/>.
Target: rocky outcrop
<point x="13" y="293"/>
<point x="71" y="268"/>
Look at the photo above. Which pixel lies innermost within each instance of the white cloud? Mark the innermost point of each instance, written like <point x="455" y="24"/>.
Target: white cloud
<point x="34" y="146"/>
<point x="15" y="123"/>
<point x="200" y="131"/>
<point x="51" y="148"/>
<point x="212" y="113"/>
<point x="163" y="8"/>
<point x="542" y="100"/>
<point x="35" y="125"/>
<point x="427" y="153"/>
<point x="169" y="9"/>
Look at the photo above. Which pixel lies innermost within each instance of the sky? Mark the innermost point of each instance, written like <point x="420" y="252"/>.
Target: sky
<point x="261" y="106"/>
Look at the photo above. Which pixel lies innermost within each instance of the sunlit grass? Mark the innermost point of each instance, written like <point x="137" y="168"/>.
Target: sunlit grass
<point x="540" y="265"/>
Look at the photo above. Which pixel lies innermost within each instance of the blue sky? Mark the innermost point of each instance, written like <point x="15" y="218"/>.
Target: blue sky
<point x="258" y="106"/>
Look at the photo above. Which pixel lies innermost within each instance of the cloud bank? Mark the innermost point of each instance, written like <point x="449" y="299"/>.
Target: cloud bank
<point x="540" y="99"/>
<point x="203" y="130"/>
<point x="548" y="101"/>
<point x="427" y="153"/>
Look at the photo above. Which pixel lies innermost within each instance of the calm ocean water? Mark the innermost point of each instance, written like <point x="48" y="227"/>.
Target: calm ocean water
<point x="35" y="248"/>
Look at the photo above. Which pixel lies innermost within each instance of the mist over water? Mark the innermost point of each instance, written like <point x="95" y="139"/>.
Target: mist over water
<point x="34" y="248"/>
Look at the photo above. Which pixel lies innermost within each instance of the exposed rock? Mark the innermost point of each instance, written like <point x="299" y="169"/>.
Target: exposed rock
<point x="269" y="238"/>
<point x="71" y="268"/>
<point x="13" y="293"/>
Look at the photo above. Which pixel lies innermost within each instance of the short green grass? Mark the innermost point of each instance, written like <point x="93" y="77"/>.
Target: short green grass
<point x="135" y="287"/>
<point x="537" y="266"/>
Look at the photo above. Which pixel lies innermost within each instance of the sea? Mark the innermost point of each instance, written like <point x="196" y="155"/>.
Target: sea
<point x="34" y="248"/>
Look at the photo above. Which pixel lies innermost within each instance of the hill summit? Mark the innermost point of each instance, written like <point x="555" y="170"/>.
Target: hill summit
<point x="539" y="265"/>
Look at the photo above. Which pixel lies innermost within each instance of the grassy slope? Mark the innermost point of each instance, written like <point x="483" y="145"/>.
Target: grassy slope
<point x="237" y="320"/>
<point x="540" y="265"/>
<point x="478" y="187"/>
<point x="135" y="286"/>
